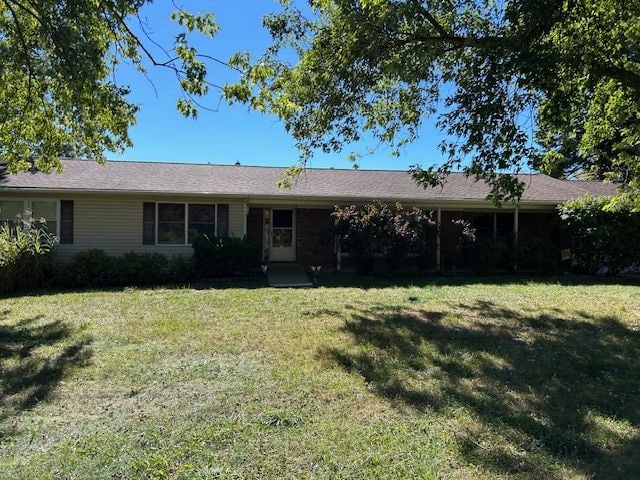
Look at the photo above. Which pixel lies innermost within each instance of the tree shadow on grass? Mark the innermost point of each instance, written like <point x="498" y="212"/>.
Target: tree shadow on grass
<point x="35" y="355"/>
<point x="523" y="393"/>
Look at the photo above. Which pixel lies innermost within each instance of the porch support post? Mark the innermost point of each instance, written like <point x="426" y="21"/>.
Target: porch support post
<point x="338" y="254"/>
<point x="438" y="242"/>
<point x="495" y="225"/>
<point x="515" y="226"/>
<point x="515" y="236"/>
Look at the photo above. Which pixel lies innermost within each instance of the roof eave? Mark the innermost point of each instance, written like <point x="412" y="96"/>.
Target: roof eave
<point x="281" y="197"/>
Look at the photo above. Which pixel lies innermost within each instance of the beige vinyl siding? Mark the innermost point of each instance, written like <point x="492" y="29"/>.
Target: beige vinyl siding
<point x="113" y="223"/>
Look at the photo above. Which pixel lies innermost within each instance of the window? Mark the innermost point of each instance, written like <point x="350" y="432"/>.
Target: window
<point x="171" y="223"/>
<point x="181" y="223"/>
<point x="9" y="210"/>
<point x="45" y="213"/>
<point x="202" y="220"/>
<point x="282" y="231"/>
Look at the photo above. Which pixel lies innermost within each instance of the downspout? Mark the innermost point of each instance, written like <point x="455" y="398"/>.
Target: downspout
<point x="246" y="212"/>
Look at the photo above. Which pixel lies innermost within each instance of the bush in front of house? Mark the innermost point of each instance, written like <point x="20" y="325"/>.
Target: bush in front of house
<point x="95" y="268"/>
<point x="384" y="238"/>
<point x="182" y="269"/>
<point x="223" y="257"/>
<point x="138" y="269"/>
<point x="24" y="256"/>
<point x="90" y="268"/>
<point x="604" y="232"/>
<point x="538" y="253"/>
<point x="489" y="255"/>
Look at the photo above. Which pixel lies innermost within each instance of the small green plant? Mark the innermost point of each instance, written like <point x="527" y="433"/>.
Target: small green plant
<point x="25" y="249"/>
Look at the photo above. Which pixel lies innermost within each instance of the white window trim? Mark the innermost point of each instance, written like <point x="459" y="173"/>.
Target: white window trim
<point x="27" y="204"/>
<point x="186" y="222"/>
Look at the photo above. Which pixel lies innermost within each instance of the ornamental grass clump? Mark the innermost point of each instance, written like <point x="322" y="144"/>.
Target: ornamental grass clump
<point x="25" y="249"/>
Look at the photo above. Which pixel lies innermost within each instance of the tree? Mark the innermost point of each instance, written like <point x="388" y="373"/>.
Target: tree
<point x="553" y="84"/>
<point x="57" y="93"/>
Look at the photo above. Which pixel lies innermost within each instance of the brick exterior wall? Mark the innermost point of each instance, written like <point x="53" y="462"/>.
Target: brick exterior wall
<point x="314" y="238"/>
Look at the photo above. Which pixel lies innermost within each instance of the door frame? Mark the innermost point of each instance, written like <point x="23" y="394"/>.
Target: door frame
<point x="293" y="233"/>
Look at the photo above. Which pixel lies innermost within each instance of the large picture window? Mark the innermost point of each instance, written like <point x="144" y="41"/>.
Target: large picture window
<point x="181" y="223"/>
<point x="9" y="210"/>
<point x="202" y="220"/>
<point x="45" y="212"/>
<point x="171" y="223"/>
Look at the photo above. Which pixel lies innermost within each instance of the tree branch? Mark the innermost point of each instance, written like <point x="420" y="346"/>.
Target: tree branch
<point x="626" y="77"/>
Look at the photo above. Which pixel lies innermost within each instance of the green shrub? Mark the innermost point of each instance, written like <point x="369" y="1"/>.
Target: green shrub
<point x="133" y="269"/>
<point x="24" y="254"/>
<point x="90" y="268"/>
<point x="182" y="269"/>
<point x="380" y="237"/>
<point x="489" y="255"/>
<point x="603" y="231"/>
<point x="95" y="268"/>
<point x="221" y="257"/>
<point x="537" y="252"/>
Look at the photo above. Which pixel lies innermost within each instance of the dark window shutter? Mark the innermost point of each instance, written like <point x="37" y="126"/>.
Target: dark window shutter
<point x="66" y="221"/>
<point x="149" y="223"/>
<point x="223" y="220"/>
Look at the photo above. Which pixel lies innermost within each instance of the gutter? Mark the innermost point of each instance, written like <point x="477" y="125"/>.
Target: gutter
<point x="284" y="197"/>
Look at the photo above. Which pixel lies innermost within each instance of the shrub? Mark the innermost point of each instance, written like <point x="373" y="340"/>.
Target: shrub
<point x="133" y="269"/>
<point x="379" y="236"/>
<point x="90" y="268"/>
<point x="604" y="232"/>
<point x="537" y="252"/>
<point x="181" y="269"/>
<point x="489" y="255"/>
<point x="95" y="268"/>
<point x="24" y="253"/>
<point x="220" y="257"/>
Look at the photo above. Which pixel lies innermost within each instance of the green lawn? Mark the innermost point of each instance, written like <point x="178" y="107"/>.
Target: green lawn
<point x="441" y="379"/>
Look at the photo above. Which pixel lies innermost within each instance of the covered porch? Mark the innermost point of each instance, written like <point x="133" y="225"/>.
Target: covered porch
<point x="304" y="235"/>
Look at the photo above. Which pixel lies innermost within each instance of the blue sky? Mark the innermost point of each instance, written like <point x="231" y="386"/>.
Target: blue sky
<point x="233" y="133"/>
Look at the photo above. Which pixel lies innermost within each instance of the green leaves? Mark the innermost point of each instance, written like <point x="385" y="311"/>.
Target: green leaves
<point x="58" y="91"/>
<point x="604" y="232"/>
<point x="512" y="85"/>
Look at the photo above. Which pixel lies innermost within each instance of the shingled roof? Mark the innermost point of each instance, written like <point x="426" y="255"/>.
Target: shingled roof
<point x="248" y="181"/>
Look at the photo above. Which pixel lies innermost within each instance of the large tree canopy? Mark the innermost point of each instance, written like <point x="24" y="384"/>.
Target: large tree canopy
<point x="57" y="92"/>
<point x="548" y="84"/>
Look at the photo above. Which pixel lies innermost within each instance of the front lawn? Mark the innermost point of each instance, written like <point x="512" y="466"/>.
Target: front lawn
<point x="441" y="379"/>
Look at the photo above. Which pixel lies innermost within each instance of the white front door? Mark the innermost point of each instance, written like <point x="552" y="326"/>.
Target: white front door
<point x="283" y="235"/>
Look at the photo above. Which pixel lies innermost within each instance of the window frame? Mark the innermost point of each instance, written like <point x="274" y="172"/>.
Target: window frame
<point x="186" y="222"/>
<point x="27" y="205"/>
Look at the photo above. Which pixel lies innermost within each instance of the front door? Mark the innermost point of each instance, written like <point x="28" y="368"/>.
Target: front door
<point x="282" y="235"/>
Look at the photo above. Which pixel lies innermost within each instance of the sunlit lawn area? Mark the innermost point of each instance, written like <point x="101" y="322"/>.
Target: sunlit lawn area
<point x="463" y="378"/>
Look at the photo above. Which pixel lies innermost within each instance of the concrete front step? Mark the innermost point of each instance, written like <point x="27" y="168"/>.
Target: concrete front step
<point x="287" y="276"/>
